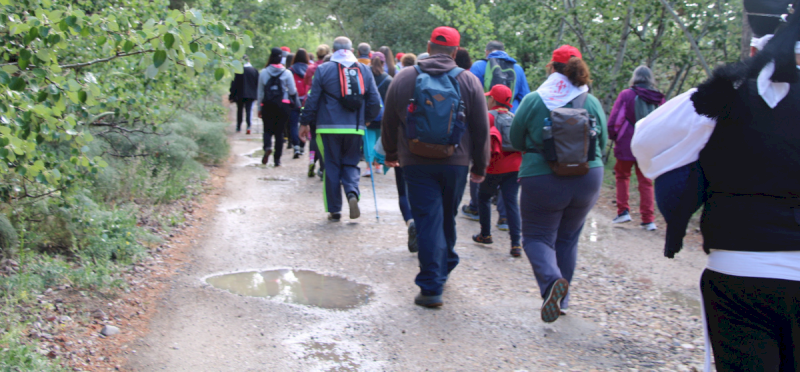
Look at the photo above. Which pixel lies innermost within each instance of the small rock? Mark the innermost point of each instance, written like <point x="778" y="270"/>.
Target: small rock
<point x="99" y="314"/>
<point x="109" y="330"/>
<point x="687" y="346"/>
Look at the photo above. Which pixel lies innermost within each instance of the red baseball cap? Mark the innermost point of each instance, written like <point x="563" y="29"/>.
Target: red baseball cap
<point x="399" y="56"/>
<point x="286" y="49"/>
<point x="501" y="94"/>
<point x="446" y="36"/>
<point x="564" y="53"/>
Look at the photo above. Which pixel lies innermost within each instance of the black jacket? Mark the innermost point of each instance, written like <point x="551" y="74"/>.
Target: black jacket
<point x="245" y="86"/>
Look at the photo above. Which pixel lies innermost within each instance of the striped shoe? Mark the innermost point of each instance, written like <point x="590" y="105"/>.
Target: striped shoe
<point x="551" y="308"/>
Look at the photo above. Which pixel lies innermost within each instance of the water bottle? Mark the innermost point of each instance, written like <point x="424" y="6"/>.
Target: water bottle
<point x="549" y="143"/>
<point x="547" y="131"/>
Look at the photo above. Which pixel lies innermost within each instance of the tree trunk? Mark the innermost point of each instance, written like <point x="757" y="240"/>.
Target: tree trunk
<point x="747" y="34"/>
<point x="623" y="44"/>
<point x="689" y="36"/>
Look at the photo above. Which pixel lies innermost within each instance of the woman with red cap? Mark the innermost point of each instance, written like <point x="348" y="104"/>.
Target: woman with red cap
<point x="554" y="207"/>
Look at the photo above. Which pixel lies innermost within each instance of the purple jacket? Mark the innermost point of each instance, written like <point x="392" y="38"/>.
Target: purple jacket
<point x="623" y="118"/>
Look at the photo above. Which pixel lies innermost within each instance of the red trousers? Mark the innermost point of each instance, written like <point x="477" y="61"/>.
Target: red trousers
<point x="647" y="204"/>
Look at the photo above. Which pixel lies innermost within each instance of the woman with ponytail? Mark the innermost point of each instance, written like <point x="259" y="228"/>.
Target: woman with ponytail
<point x="733" y="146"/>
<point x="553" y="207"/>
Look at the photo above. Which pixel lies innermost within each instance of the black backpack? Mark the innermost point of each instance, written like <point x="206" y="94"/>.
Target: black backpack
<point x="273" y="90"/>
<point x="351" y="81"/>
<point x="502" y="72"/>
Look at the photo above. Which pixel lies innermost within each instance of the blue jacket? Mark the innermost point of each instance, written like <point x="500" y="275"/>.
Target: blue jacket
<point x="326" y="111"/>
<point x="479" y="69"/>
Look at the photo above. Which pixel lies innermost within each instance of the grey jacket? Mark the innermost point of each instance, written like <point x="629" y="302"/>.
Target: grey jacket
<point x="328" y="113"/>
<point x="287" y="82"/>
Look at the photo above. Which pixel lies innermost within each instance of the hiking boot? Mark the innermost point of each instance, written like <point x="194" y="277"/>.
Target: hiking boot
<point x="502" y="224"/>
<point x="470" y="213"/>
<point x="478" y="238"/>
<point x="413" y="247"/>
<point x="516" y="251"/>
<point x="622" y="217"/>
<point x="264" y="159"/>
<point x="352" y="200"/>
<point x="551" y="307"/>
<point x="650" y="226"/>
<point x="334" y="217"/>
<point x="311" y="170"/>
<point x="248" y="132"/>
<point x="428" y="301"/>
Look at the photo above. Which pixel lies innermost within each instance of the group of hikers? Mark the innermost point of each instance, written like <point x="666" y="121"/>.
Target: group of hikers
<point x="440" y="120"/>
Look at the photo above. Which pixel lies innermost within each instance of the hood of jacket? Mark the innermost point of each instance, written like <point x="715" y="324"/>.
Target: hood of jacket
<point x="299" y="69"/>
<point x="437" y="64"/>
<point x="275" y="71"/>
<point x="499" y="54"/>
<point x="648" y="95"/>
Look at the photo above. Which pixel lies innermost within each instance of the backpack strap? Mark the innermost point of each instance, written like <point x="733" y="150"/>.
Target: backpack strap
<point x="454" y="72"/>
<point x="580" y="100"/>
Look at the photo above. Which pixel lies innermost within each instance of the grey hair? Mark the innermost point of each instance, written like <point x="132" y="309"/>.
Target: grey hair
<point x="364" y="49"/>
<point x="642" y="75"/>
<point x="495" y="45"/>
<point x="342" y="42"/>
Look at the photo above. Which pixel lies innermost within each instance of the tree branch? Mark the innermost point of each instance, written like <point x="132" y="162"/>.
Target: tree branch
<point x="688" y="36"/>
<point x="101" y="60"/>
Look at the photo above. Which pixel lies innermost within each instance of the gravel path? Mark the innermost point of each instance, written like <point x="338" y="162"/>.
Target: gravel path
<point x="631" y="308"/>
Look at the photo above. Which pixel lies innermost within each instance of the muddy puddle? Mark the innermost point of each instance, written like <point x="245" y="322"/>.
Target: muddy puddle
<point x="302" y="287"/>
<point x="275" y="178"/>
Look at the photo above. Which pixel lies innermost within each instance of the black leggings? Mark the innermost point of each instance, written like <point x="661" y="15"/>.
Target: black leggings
<point x="246" y="105"/>
<point x="275" y="119"/>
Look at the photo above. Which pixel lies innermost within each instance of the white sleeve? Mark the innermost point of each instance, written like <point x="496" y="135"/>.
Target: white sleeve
<point x="671" y="136"/>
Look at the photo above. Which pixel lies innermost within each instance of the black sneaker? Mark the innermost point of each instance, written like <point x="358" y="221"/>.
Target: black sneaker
<point x="264" y="158"/>
<point x="551" y="307"/>
<point x="482" y="239"/>
<point x="470" y="213"/>
<point x="622" y="217"/>
<point x="352" y="200"/>
<point x="413" y="247"/>
<point x="428" y="301"/>
<point x="334" y="217"/>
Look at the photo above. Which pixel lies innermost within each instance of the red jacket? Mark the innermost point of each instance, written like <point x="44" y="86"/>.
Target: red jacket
<point x="312" y="68"/>
<point x="502" y="161"/>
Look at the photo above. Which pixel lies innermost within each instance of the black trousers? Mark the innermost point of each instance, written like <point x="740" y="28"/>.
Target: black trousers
<point x="247" y="105"/>
<point x="754" y="323"/>
<point x="274" y="118"/>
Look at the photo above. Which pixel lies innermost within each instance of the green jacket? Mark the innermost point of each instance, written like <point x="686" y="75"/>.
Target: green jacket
<point x="526" y="133"/>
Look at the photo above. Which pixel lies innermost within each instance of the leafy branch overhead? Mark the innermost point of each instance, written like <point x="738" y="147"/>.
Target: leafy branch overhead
<point x="67" y="69"/>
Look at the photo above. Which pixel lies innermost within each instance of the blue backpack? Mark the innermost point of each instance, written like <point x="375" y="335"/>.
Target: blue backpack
<point x="435" y="119"/>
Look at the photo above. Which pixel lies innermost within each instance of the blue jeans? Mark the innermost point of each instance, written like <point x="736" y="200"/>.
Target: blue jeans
<point x="508" y="186"/>
<point x="402" y="193"/>
<point x="294" y="128"/>
<point x="473" y="200"/>
<point x="434" y="193"/>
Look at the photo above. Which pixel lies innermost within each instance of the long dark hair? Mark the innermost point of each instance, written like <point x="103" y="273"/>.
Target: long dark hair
<point x="289" y="60"/>
<point x="301" y="56"/>
<point x="390" y="62"/>
<point x="376" y="65"/>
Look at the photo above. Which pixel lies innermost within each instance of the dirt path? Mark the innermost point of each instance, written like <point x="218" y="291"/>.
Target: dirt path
<point x="631" y="307"/>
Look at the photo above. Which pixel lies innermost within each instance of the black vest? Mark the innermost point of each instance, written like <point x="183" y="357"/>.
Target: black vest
<point x="752" y="164"/>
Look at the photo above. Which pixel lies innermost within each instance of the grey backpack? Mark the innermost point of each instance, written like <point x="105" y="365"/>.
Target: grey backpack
<point x="502" y="121"/>
<point x="570" y="139"/>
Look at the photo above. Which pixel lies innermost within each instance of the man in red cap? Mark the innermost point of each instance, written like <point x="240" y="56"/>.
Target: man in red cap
<point x="436" y="184"/>
<point x="502" y="172"/>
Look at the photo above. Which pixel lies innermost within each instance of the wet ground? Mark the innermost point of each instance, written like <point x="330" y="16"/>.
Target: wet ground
<point x="273" y="285"/>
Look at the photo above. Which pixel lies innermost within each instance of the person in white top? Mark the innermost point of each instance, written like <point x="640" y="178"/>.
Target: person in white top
<point x="733" y="145"/>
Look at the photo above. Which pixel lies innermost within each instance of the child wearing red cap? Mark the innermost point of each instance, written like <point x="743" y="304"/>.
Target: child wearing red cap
<point x="501" y="175"/>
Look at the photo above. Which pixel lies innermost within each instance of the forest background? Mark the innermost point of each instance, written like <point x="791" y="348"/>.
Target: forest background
<point x="110" y="110"/>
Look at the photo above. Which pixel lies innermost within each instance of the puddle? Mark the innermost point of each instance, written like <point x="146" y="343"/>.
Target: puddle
<point x="256" y="154"/>
<point x="685" y="301"/>
<point x="275" y="178"/>
<point x="302" y="287"/>
<point x="257" y="165"/>
<point x="327" y="352"/>
<point x="237" y="211"/>
<point x="593" y="232"/>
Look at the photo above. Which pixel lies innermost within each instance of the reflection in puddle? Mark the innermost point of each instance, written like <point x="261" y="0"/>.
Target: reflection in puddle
<point x="327" y="352"/>
<point x="301" y="287"/>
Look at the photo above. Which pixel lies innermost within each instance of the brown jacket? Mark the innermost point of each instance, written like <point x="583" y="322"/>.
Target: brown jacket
<point x="475" y="142"/>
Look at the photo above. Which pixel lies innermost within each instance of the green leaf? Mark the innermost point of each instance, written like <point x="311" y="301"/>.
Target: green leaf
<point x="235" y="46"/>
<point x="159" y="57"/>
<point x="194" y="47"/>
<point x="169" y="40"/>
<point x="82" y="96"/>
<point x="23" y="63"/>
<point x="101" y="40"/>
<point x="237" y="67"/>
<point x="71" y="21"/>
<point x="17" y="84"/>
<point x="52" y="89"/>
<point x="39" y="73"/>
<point x="4" y="78"/>
<point x="41" y="96"/>
<point x="24" y="54"/>
<point x="63" y="26"/>
<point x="128" y="46"/>
<point x="249" y="33"/>
<point x="219" y="73"/>
<point x="151" y="72"/>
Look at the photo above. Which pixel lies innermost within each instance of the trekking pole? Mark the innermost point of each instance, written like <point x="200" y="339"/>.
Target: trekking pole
<point x="372" y="178"/>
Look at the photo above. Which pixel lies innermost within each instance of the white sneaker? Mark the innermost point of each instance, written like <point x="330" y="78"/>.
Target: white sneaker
<point x="366" y="173"/>
<point x="622" y="217"/>
<point x="649" y="226"/>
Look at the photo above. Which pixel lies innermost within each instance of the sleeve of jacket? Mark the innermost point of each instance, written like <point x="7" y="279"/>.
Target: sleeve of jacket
<point x="372" y="99"/>
<point x="309" y="113"/>
<point x="522" y="84"/>
<point x="519" y="127"/>
<point x="390" y="124"/>
<point x="260" y="89"/>
<point x="478" y="126"/>
<point x="617" y="114"/>
<point x="230" y="91"/>
<point x="602" y="123"/>
<point x="479" y="69"/>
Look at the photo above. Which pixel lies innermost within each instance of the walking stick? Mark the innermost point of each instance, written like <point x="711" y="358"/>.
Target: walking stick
<point x="372" y="178"/>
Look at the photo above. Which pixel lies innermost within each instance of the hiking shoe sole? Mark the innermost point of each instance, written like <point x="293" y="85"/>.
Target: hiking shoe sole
<point x="428" y="301"/>
<point x="413" y="246"/>
<point x="551" y="308"/>
<point x="516" y="251"/>
<point x="502" y="227"/>
<point x="354" y="211"/>
<point x="478" y="238"/>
